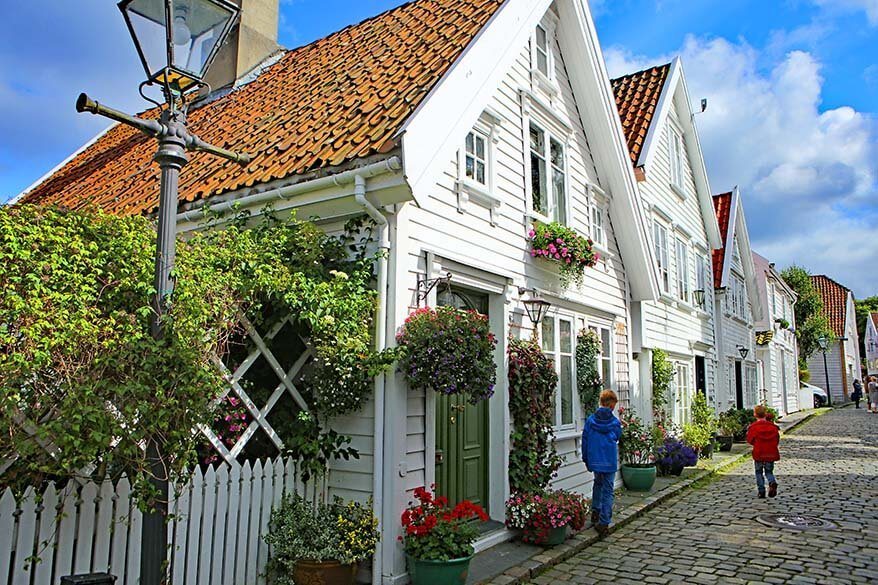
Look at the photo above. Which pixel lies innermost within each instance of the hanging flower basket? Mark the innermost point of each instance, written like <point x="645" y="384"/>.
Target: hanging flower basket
<point x="558" y="243"/>
<point x="450" y="351"/>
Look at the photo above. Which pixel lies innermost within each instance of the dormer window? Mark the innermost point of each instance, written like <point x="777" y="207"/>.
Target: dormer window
<point x="476" y="163"/>
<point x="476" y="167"/>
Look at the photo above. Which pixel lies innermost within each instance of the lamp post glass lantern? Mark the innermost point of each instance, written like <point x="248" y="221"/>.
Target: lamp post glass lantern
<point x="743" y="351"/>
<point x="536" y="309"/>
<point x="699" y="297"/>
<point x="177" y="40"/>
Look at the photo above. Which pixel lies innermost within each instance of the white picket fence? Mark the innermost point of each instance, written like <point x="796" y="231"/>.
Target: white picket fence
<point x="215" y="535"/>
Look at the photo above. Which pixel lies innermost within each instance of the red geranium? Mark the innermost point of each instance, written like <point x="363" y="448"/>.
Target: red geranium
<point x="434" y="531"/>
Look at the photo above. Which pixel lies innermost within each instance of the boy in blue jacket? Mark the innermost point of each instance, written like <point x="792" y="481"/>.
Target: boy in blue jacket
<point x="600" y="452"/>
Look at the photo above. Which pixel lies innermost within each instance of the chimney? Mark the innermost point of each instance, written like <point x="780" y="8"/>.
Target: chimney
<point x="250" y="42"/>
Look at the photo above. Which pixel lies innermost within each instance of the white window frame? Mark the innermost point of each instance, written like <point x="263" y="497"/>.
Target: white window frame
<point x="751" y="385"/>
<point x="546" y="51"/>
<point x="545" y="81"/>
<point x="660" y="243"/>
<point x="682" y="393"/>
<point x="676" y="152"/>
<point x="555" y="352"/>
<point x="606" y="357"/>
<point x="487" y="128"/>
<point x="684" y="276"/>
<point x="558" y="210"/>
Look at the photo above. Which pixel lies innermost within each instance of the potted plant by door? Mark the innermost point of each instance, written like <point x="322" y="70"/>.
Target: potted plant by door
<point x="438" y="539"/>
<point x="729" y="427"/>
<point x="546" y="518"/>
<point x="319" y="543"/>
<point x="637" y="452"/>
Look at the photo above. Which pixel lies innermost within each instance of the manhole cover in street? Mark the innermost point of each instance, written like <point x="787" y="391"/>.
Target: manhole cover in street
<point x="794" y="522"/>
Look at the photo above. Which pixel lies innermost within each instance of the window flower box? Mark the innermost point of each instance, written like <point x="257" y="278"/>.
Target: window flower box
<point x="558" y="243"/>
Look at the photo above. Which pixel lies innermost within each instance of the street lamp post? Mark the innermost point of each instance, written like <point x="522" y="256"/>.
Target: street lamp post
<point x="176" y="41"/>
<point x="823" y="342"/>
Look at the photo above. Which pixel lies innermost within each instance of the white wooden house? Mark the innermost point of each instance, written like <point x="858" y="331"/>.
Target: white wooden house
<point x="776" y="349"/>
<point x="871" y="345"/>
<point x="737" y="307"/>
<point x="454" y="124"/>
<point x="843" y="364"/>
<point x="654" y="107"/>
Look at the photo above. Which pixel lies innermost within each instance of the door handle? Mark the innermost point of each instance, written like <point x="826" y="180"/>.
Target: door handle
<point x="453" y="419"/>
<point x="440" y="457"/>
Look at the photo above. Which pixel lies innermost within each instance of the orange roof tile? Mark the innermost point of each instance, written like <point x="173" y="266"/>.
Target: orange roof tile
<point x="835" y="301"/>
<point x="723" y="205"/>
<point x="637" y="96"/>
<point x="320" y="106"/>
<point x="874" y="319"/>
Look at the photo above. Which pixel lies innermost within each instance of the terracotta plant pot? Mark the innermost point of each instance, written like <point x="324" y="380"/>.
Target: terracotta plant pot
<point x="323" y="573"/>
<point x="451" y="572"/>
<point x="640" y="478"/>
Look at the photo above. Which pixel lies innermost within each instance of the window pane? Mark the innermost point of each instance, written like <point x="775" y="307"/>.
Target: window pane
<point x="566" y="330"/>
<point x="606" y="372"/>
<point x="480" y="147"/>
<point x="537" y="140"/>
<point x="558" y="196"/>
<point x="470" y="166"/>
<point x="566" y="383"/>
<point x="480" y="172"/>
<point x="542" y="38"/>
<point x="557" y="154"/>
<point x="538" y="184"/>
<point x="548" y="334"/>
<point x="605" y="342"/>
<point x="470" y="138"/>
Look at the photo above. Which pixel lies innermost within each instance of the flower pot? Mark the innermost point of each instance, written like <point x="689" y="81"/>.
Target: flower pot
<point x="706" y="451"/>
<point x="556" y="536"/>
<point x="725" y="443"/>
<point x="451" y="572"/>
<point x="638" y="478"/>
<point x="323" y="573"/>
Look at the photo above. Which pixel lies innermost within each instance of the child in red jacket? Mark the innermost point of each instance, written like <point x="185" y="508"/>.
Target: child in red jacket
<point x="765" y="437"/>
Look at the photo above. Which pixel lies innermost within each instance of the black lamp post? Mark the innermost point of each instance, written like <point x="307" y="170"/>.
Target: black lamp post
<point x="536" y="309"/>
<point x="176" y="40"/>
<point x="823" y="342"/>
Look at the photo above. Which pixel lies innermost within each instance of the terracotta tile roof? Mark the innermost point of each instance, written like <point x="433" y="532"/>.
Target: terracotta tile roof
<point x="722" y="203"/>
<point x="637" y="97"/>
<point x="874" y="319"/>
<point x="320" y="106"/>
<point x="835" y="301"/>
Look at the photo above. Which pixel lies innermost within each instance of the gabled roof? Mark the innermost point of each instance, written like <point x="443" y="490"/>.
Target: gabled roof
<point x="644" y="100"/>
<point x="321" y="106"/>
<point x="835" y="301"/>
<point x="637" y="99"/>
<point x="723" y="205"/>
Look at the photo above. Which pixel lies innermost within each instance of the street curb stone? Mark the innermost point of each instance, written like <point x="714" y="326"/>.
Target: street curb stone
<point x="541" y="562"/>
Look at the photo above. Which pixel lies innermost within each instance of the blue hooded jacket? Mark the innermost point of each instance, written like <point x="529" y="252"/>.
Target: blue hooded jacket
<point x="600" y="441"/>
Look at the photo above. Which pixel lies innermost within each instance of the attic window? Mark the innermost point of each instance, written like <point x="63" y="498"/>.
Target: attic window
<point x="475" y="163"/>
<point x="541" y="42"/>
<point x="675" y="148"/>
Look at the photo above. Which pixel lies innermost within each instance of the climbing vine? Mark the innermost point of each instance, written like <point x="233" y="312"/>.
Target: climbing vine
<point x="662" y="376"/>
<point x="533" y="460"/>
<point x="588" y="378"/>
<point x="82" y="382"/>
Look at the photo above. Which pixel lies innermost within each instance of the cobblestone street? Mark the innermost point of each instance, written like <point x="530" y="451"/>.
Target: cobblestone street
<point x="829" y="469"/>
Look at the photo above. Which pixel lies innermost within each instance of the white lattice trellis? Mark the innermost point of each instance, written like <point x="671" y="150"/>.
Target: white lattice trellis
<point x="260" y="415"/>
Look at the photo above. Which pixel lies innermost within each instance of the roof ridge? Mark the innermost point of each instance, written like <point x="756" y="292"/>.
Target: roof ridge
<point x="642" y="71"/>
<point x="830" y="279"/>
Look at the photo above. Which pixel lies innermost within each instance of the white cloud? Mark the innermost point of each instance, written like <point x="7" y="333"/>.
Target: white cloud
<point x="870" y="7"/>
<point x="808" y="176"/>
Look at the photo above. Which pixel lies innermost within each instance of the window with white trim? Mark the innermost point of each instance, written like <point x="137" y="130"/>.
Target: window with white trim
<point x="660" y="241"/>
<point x="542" y="53"/>
<point x="605" y="357"/>
<point x="736" y="298"/>
<point x="683" y="278"/>
<point x="701" y="277"/>
<point x="751" y="392"/>
<point x="548" y="173"/>
<point x="598" y="235"/>
<point x="773" y="293"/>
<point x="675" y="147"/>
<point x="682" y="394"/>
<point x="557" y="342"/>
<point x="476" y="158"/>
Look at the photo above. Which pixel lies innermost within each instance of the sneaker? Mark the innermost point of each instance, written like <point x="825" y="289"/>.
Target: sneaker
<point x="602" y="529"/>
<point x="772" y="490"/>
<point x="595" y="517"/>
<point x="760" y="495"/>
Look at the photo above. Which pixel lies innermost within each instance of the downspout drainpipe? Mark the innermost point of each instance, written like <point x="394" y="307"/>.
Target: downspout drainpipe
<point x="380" y="343"/>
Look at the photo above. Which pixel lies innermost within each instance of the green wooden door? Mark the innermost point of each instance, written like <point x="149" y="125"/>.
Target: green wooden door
<point x="462" y="429"/>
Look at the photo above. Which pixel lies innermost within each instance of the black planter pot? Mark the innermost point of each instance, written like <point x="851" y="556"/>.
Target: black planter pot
<point x="666" y="470"/>
<point x="725" y="443"/>
<point x="706" y="452"/>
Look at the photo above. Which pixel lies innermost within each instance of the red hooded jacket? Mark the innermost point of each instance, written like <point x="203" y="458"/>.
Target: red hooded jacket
<point x="764" y="436"/>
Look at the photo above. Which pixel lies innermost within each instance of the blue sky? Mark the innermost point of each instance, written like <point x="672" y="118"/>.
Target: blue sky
<point x="792" y="85"/>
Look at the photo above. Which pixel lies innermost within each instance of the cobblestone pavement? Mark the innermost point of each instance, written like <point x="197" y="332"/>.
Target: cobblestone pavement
<point x="829" y="469"/>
